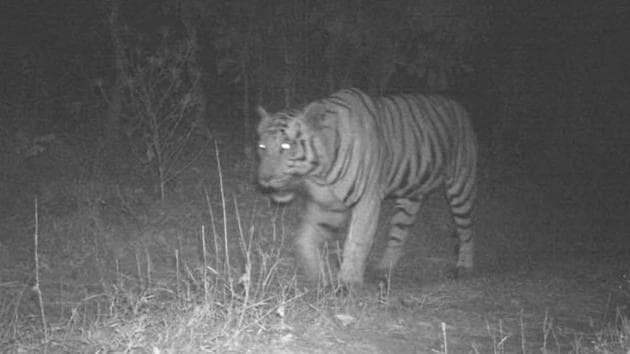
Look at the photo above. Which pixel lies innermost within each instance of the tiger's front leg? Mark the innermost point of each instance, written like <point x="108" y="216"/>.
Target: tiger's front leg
<point x="316" y="228"/>
<point x="361" y="230"/>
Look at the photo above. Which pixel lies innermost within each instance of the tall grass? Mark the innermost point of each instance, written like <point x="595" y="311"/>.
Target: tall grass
<point x="225" y="299"/>
<point x="235" y="289"/>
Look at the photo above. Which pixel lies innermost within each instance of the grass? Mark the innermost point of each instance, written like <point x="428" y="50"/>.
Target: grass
<point x="234" y="291"/>
<point x="209" y="305"/>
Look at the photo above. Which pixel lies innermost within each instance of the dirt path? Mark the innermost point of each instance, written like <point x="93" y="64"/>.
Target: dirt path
<point x="533" y="291"/>
<point x="559" y="307"/>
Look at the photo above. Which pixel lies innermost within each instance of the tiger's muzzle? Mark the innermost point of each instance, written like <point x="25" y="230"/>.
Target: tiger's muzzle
<point x="278" y="195"/>
<point x="279" y="189"/>
<point x="272" y="182"/>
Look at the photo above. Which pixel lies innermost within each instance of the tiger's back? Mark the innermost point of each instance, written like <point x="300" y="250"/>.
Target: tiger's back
<point x="422" y="139"/>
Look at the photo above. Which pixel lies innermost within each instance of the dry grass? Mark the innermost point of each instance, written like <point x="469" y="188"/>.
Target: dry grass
<point x="236" y="291"/>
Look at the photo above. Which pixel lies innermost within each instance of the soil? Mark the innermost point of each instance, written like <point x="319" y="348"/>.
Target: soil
<point x="566" y="306"/>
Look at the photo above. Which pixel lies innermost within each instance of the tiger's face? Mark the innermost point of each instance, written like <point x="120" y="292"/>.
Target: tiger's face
<point x="283" y="152"/>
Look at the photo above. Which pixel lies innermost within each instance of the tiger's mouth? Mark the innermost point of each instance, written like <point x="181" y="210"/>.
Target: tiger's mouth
<point x="274" y="185"/>
<point x="282" y="197"/>
<point x="281" y="189"/>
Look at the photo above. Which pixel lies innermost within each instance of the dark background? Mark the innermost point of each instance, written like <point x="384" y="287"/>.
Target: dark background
<point x="121" y="103"/>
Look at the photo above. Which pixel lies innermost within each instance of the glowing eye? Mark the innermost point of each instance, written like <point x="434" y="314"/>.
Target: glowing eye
<point x="285" y="146"/>
<point x="262" y="146"/>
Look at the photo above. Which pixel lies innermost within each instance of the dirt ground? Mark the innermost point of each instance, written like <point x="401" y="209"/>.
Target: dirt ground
<point x="539" y="292"/>
<point x="552" y="276"/>
<point x="557" y="307"/>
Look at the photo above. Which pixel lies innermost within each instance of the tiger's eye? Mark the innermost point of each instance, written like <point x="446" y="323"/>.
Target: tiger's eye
<point x="285" y="146"/>
<point x="262" y="146"/>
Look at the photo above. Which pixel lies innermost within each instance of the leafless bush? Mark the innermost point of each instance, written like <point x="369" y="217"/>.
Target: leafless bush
<point x="163" y="98"/>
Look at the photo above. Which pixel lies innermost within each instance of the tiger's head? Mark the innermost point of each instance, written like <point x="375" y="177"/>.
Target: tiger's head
<point x="287" y="150"/>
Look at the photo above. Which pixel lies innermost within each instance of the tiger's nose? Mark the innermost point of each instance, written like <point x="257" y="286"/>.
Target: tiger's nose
<point x="266" y="185"/>
<point x="265" y="175"/>
<point x="264" y="179"/>
<point x="264" y="182"/>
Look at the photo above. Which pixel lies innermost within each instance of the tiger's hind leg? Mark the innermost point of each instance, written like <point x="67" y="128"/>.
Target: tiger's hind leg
<point x="405" y="215"/>
<point x="461" y="195"/>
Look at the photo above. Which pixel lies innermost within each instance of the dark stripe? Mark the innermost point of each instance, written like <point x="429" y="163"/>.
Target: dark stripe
<point x="335" y="157"/>
<point x="450" y="197"/>
<point x="343" y="173"/>
<point x="464" y="201"/>
<point x="339" y="102"/>
<point x="406" y="173"/>
<point x="327" y="227"/>
<point x="439" y="103"/>
<point x="464" y="226"/>
<point x="461" y="187"/>
<point x="403" y="210"/>
<point x="416" y="116"/>
<point x="303" y="157"/>
<point x="470" y="238"/>
<point x="403" y="225"/>
<point x="315" y="161"/>
<point x="395" y="238"/>
<point x="391" y="127"/>
<point x="425" y="176"/>
<point x="364" y="99"/>
<point x="338" y="99"/>
<point x="463" y="223"/>
<point x="402" y="119"/>
<point x="444" y="133"/>
<point x="465" y="215"/>
<point x="272" y="128"/>
<point x="350" y="192"/>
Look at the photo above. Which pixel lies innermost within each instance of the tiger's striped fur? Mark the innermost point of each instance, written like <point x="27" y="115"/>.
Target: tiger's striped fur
<point x="349" y="151"/>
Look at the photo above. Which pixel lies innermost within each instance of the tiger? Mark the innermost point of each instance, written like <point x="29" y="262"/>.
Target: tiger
<point x="348" y="153"/>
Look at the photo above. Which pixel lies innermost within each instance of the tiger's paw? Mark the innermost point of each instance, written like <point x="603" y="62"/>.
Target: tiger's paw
<point x="350" y="290"/>
<point x="318" y="290"/>
<point x="377" y="275"/>
<point x="379" y="280"/>
<point x="459" y="273"/>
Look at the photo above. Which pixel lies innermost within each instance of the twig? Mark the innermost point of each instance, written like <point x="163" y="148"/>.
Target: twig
<point x="246" y="277"/>
<point x="444" y="336"/>
<point x="36" y="287"/>
<point x="205" y="263"/>
<point x="522" y="333"/>
<point x="227" y="253"/>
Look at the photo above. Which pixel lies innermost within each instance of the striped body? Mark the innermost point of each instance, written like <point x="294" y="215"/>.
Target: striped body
<point x="349" y="152"/>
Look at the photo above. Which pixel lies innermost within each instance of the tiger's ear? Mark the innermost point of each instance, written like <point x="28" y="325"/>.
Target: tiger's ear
<point x="262" y="113"/>
<point x="264" y="121"/>
<point x="314" y="114"/>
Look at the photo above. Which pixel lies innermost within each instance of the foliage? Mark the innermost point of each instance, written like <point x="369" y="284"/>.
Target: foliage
<point x="328" y="45"/>
<point x="163" y="99"/>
